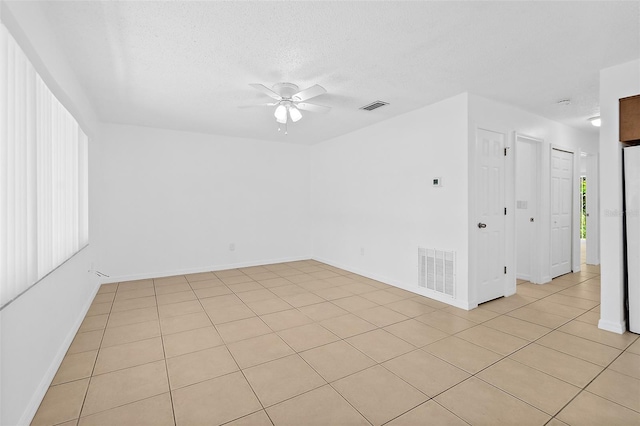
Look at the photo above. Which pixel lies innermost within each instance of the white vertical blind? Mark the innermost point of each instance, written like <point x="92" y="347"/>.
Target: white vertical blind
<point x="43" y="176"/>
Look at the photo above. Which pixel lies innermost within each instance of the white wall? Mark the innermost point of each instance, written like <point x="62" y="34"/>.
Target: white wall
<point x="615" y="83"/>
<point x="491" y="115"/>
<point x="37" y="328"/>
<point x="371" y="189"/>
<point x="172" y="202"/>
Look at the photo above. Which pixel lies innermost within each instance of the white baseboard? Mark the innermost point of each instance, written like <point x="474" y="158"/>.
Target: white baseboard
<point x="466" y="305"/>
<point x="41" y="390"/>
<point x="613" y="326"/>
<point x="195" y="270"/>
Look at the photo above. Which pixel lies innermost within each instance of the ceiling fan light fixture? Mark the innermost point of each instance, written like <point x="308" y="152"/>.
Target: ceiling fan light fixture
<point x="290" y="101"/>
<point x="295" y="114"/>
<point x="281" y="114"/>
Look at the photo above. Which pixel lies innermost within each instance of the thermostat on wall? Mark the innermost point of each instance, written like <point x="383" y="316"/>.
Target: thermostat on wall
<point x="436" y="181"/>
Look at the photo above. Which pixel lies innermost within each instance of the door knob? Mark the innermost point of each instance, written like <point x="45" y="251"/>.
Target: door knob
<point x="482" y="225"/>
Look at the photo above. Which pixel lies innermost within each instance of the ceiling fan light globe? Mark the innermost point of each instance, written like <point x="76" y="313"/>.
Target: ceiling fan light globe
<point x="281" y="114"/>
<point x="295" y="114"/>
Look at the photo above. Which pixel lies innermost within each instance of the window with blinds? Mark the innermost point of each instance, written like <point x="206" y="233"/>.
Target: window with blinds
<point x="43" y="176"/>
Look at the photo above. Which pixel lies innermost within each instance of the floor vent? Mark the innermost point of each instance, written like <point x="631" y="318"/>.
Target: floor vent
<point x="436" y="270"/>
<point x="374" y="105"/>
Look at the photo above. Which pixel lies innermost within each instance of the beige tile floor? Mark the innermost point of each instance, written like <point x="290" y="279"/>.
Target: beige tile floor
<point x="305" y="343"/>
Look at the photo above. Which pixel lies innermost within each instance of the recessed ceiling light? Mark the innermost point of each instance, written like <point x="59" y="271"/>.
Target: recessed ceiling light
<point x="595" y="121"/>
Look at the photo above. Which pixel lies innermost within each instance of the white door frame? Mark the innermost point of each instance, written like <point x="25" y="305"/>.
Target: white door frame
<point x="575" y="208"/>
<point x="537" y="252"/>
<point x="593" y="209"/>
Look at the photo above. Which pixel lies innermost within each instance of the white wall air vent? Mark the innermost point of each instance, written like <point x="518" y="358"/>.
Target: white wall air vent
<point x="437" y="270"/>
<point x="374" y="105"/>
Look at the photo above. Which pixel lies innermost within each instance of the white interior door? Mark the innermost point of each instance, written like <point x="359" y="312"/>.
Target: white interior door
<point x="490" y="218"/>
<point x="526" y="171"/>
<point x="561" y="211"/>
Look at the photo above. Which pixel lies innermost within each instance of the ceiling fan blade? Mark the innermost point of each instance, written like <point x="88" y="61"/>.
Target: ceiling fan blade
<point x="258" y="105"/>
<point x="311" y="92"/>
<point x="264" y="89"/>
<point x="312" y="107"/>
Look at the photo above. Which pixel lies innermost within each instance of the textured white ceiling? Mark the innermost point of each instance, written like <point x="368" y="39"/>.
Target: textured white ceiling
<point x="186" y="65"/>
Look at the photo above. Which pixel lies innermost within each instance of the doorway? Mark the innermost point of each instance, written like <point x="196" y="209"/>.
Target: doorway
<point x="561" y="212"/>
<point x="527" y="196"/>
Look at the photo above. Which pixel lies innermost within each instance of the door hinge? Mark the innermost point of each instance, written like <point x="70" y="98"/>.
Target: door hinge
<point x="505" y="269"/>
<point x="505" y="211"/>
<point x="505" y="152"/>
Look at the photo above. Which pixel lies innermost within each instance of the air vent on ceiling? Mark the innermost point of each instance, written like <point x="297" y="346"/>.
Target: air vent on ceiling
<point x="374" y="105"/>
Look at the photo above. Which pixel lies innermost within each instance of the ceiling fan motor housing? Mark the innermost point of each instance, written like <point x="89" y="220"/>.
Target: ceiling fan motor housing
<point x="286" y="90"/>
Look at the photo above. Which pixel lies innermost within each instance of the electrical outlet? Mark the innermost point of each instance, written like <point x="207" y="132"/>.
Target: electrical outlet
<point x="232" y="247"/>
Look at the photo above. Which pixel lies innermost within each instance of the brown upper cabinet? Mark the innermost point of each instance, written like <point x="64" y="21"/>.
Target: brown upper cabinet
<point x="630" y="119"/>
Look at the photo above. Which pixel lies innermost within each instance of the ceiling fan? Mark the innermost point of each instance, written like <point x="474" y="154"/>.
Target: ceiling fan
<point x="290" y="100"/>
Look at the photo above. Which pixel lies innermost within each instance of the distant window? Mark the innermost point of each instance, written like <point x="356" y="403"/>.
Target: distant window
<point x="43" y="176"/>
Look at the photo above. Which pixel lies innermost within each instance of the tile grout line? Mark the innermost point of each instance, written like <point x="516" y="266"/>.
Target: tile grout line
<point x="435" y="402"/>
<point x="164" y="353"/>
